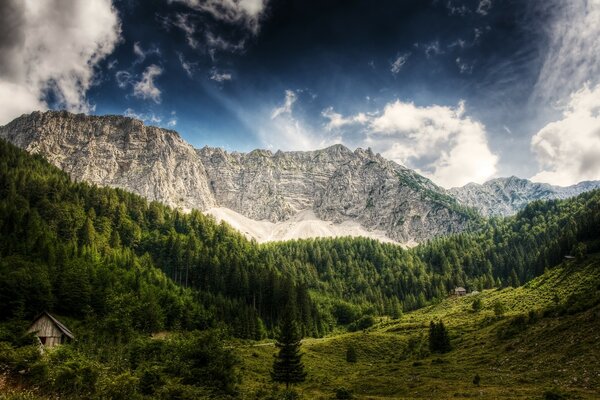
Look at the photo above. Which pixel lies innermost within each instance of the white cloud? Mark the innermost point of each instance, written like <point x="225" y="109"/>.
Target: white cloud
<point x="484" y="7"/>
<point x="286" y="107"/>
<point x="220" y="76"/>
<point x="574" y="50"/>
<point x="399" y="62"/>
<point x="150" y="118"/>
<point x="437" y="141"/>
<point x="145" y="88"/>
<point x="246" y="12"/>
<point x="568" y="150"/>
<point x="52" y="46"/>
<point x="337" y="121"/>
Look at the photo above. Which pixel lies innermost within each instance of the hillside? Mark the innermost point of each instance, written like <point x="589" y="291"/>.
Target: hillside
<point x="543" y="344"/>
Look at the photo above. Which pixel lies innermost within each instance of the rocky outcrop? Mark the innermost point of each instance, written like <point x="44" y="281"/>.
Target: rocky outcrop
<point x="506" y="196"/>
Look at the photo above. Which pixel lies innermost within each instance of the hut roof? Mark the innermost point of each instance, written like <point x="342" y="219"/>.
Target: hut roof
<point x="58" y="324"/>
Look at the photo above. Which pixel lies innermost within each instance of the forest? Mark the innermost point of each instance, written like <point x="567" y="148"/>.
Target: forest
<point x="119" y="268"/>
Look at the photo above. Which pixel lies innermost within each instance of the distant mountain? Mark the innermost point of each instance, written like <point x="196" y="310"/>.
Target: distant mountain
<point x="285" y="194"/>
<point x="507" y="196"/>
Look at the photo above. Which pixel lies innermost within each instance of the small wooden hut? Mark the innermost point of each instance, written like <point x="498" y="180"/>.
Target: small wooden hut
<point x="50" y="331"/>
<point x="459" y="291"/>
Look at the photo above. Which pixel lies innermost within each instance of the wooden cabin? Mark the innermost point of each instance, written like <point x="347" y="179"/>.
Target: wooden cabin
<point x="50" y="331"/>
<point x="459" y="291"/>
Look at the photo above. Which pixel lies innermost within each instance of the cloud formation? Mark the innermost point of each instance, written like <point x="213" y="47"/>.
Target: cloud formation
<point x="439" y="142"/>
<point x="220" y="77"/>
<point x="52" y="47"/>
<point x="568" y="150"/>
<point x="246" y="12"/>
<point x="145" y="88"/>
<point x="573" y="56"/>
<point x="398" y="63"/>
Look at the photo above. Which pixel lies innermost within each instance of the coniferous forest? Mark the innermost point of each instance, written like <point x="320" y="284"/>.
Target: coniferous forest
<point x="119" y="268"/>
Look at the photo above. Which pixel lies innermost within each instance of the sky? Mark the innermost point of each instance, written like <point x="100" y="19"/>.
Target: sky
<point x="459" y="90"/>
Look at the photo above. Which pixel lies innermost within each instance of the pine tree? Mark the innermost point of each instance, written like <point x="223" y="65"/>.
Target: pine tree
<point x="288" y="367"/>
<point x="439" y="341"/>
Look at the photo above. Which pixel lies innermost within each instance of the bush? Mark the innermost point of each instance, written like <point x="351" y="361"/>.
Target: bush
<point x="499" y="308"/>
<point x="121" y="387"/>
<point x="363" y="323"/>
<point x="342" y="393"/>
<point x="351" y="356"/>
<point x="477" y="304"/>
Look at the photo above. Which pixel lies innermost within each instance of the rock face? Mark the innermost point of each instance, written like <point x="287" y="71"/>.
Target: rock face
<point x="338" y="185"/>
<point x="116" y="151"/>
<point x="335" y="184"/>
<point x="506" y="196"/>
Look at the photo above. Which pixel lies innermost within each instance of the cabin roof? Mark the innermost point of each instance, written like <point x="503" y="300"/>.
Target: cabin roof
<point x="460" y="289"/>
<point x="58" y="324"/>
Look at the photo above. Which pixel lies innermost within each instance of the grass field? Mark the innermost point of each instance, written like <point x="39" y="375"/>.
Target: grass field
<point x="545" y="345"/>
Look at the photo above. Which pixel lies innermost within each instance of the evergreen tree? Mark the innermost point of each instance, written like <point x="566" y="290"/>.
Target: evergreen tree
<point x="439" y="341"/>
<point x="288" y="367"/>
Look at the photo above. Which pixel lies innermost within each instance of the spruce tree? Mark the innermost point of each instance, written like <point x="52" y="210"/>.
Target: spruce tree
<point x="288" y="367"/>
<point x="439" y="341"/>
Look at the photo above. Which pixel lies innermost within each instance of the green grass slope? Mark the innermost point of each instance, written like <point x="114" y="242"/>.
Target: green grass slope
<point x="545" y="344"/>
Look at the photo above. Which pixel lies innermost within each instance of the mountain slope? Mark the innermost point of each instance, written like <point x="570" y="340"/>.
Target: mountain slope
<point x="507" y="196"/>
<point x="338" y="185"/>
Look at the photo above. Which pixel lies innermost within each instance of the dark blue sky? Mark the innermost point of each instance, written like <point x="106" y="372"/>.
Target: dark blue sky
<point x="457" y="89"/>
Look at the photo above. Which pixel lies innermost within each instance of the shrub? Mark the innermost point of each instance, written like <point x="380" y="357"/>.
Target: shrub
<point x="477" y="304"/>
<point x="351" y="355"/>
<point x="342" y="393"/>
<point x="499" y="308"/>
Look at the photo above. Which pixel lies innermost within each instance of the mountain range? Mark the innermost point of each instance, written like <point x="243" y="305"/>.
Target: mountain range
<point x="271" y="196"/>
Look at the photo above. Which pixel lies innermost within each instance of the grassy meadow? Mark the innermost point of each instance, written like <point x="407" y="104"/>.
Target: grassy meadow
<point x="543" y="342"/>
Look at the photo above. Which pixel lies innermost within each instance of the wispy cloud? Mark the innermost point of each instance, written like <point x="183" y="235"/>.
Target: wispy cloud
<point x="286" y="107"/>
<point x="217" y="76"/>
<point x="145" y="88"/>
<point x="484" y="7"/>
<point x="574" y="49"/>
<point x="188" y="67"/>
<point x="399" y="62"/>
